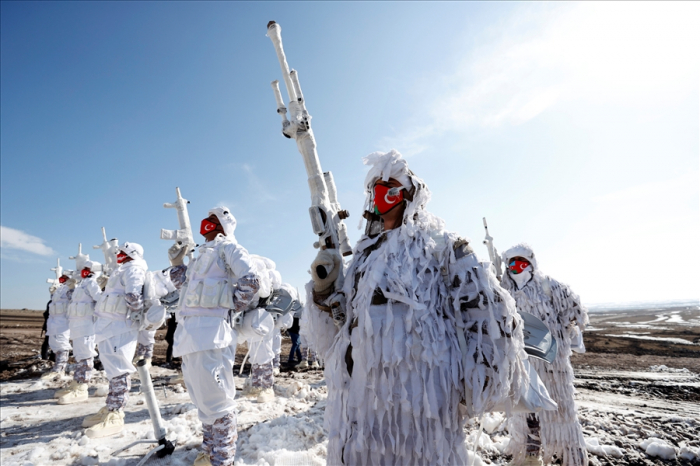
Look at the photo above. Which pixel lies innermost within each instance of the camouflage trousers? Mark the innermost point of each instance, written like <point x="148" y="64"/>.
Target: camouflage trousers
<point x="83" y="370"/>
<point x="219" y="440"/>
<point x="309" y="355"/>
<point x="262" y="375"/>
<point x="61" y="361"/>
<point x="276" y="361"/>
<point x="144" y="351"/>
<point x="534" y="441"/>
<point x="118" y="392"/>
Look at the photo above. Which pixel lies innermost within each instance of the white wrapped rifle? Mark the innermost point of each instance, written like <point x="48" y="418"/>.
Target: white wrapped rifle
<point x="165" y="447"/>
<point x="182" y="236"/>
<point x="59" y="273"/>
<point x="80" y="259"/>
<point x="109" y="250"/>
<point x="326" y="214"/>
<point x="493" y="253"/>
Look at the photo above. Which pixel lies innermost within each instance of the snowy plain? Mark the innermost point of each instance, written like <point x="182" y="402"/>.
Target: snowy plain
<point x="624" y="422"/>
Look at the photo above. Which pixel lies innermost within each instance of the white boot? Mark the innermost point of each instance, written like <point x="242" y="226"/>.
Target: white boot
<point x="303" y="364"/>
<point x="63" y="391"/>
<point x="276" y="371"/>
<point x="315" y="365"/>
<point x="112" y="424"/>
<point x="532" y="460"/>
<point x="266" y="395"/>
<point x="203" y="459"/>
<point x="98" y="417"/>
<point x="78" y="393"/>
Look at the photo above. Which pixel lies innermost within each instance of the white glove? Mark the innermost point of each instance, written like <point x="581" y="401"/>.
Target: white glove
<point x="71" y="282"/>
<point x="176" y="253"/>
<point x="325" y="269"/>
<point x="102" y="281"/>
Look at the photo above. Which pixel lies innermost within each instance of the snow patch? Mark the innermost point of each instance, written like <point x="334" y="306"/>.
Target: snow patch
<point x="102" y="390"/>
<point x="593" y="446"/>
<point x="664" y="368"/>
<point x="654" y="446"/>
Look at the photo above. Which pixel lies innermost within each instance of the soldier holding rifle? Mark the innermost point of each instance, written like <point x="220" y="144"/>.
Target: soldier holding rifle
<point x="411" y="327"/>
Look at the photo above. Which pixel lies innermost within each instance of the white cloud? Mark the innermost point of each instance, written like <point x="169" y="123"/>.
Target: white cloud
<point x="606" y="52"/>
<point x="17" y="239"/>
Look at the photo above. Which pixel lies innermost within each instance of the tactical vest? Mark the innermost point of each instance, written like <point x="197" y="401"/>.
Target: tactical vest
<point x="113" y="300"/>
<point x="209" y="285"/>
<point x="82" y="305"/>
<point x="59" y="304"/>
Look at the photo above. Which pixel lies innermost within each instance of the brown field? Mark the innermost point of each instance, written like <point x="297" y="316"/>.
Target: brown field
<point x="20" y="345"/>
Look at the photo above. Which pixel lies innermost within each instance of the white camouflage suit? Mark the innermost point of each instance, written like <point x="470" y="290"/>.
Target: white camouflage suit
<point x="259" y="327"/>
<point x="561" y="310"/>
<point x="58" y="328"/>
<point x="426" y="327"/>
<point x="115" y="331"/>
<point x="81" y="315"/>
<point x="222" y="277"/>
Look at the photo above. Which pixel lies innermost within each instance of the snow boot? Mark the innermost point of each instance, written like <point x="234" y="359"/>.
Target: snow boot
<point x="315" y="365"/>
<point x="303" y="364"/>
<point x="202" y="459"/>
<point x="276" y="371"/>
<point x="98" y="417"/>
<point x="532" y="460"/>
<point x="266" y="395"/>
<point x="65" y="390"/>
<point x="112" y="424"/>
<point x="78" y="393"/>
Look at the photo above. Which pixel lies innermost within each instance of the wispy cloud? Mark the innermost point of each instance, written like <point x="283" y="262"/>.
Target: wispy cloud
<point x="542" y="57"/>
<point x="11" y="238"/>
<point x="262" y="191"/>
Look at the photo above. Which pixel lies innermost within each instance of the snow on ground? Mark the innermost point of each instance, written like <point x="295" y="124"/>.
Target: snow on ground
<point x="650" y="417"/>
<point x="679" y="341"/>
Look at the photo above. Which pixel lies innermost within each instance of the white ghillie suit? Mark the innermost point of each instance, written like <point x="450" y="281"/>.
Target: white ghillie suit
<point x="561" y="310"/>
<point x="394" y="370"/>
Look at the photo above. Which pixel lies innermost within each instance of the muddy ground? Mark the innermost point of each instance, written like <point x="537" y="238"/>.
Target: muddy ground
<point x="20" y="342"/>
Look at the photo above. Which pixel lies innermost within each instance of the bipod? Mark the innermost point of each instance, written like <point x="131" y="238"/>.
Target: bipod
<point x="165" y="447"/>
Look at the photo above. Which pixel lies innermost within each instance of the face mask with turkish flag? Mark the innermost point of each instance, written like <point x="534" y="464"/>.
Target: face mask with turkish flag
<point x="386" y="198"/>
<point x="207" y="227"/>
<point x="517" y="266"/>
<point x="120" y="257"/>
<point x="85" y="272"/>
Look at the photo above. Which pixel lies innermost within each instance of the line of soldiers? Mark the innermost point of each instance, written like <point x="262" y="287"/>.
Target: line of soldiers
<point x="416" y="335"/>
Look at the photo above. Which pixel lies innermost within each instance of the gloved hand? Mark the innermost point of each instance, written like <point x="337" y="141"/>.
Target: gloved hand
<point x="325" y="269"/>
<point x="176" y="253"/>
<point x="102" y="281"/>
<point x="52" y="288"/>
<point x="71" y="282"/>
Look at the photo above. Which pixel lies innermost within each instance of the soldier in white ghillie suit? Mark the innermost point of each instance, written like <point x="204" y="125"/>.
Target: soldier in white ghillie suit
<point x="118" y="314"/>
<point x="222" y="277"/>
<point x="423" y="327"/>
<point x="282" y="323"/>
<point x="551" y="433"/>
<point x="57" y="327"/>
<point x="82" y="332"/>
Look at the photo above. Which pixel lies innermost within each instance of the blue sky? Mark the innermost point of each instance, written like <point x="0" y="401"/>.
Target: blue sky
<point x="574" y="127"/>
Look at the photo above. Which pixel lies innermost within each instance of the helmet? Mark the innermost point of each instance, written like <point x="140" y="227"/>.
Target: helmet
<point x="133" y="250"/>
<point x="227" y="220"/>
